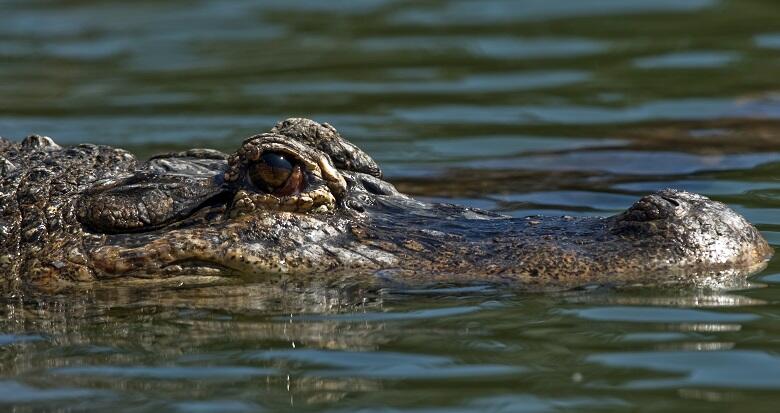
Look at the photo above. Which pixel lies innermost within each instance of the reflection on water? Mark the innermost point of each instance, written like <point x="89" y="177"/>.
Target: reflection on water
<point x="462" y="349"/>
<point x="567" y="107"/>
<point x="708" y="368"/>
<point x="693" y="59"/>
<point x="681" y="109"/>
<point x="494" y="82"/>
<point x="660" y="315"/>
<point x="770" y="40"/>
<point x="495" y="47"/>
<point x="501" y="11"/>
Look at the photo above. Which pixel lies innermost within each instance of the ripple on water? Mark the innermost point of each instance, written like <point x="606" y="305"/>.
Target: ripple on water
<point x="398" y="157"/>
<point x="741" y="369"/>
<point x="687" y="60"/>
<point x="773" y="237"/>
<point x="705" y="187"/>
<point x="503" y="11"/>
<point x="493" y="82"/>
<point x="768" y="40"/>
<point x="448" y="291"/>
<point x="16" y="392"/>
<point x="620" y="162"/>
<point x="216" y="406"/>
<point x="382" y="365"/>
<point x="757" y="215"/>
<point x="550" y="212"/>
<point x="670" y="109"/>
<point x="572" y="199"/>
<point x="629" y="162"/>
<point x="657" y="337"/>
<point x="659" y="315"/>
<point x="493" y="146"/>
<point x="173" y="129"/>
<point x="317" y="6"/>
<point x="168" y="372"/>
<point x="466" y="202"/>
<point x="520" y="403"/>
<point x="495" y="47"/>
<point x="9" y="339"/>
<point x="387" y="316"/>
<point x="159" y="98"/>
<point x="771" y="278"/>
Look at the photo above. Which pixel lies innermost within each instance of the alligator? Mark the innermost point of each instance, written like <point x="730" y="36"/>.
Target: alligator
<point x="302" y="203"/>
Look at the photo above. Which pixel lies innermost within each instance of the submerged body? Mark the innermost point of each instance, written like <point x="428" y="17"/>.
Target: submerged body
<point x="301" y="202"/>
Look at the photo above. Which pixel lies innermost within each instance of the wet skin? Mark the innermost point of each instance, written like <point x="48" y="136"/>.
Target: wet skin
<point x="301" y="203"/>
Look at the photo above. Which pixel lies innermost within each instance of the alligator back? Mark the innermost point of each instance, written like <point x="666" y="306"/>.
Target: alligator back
<point x="39" y="181"/>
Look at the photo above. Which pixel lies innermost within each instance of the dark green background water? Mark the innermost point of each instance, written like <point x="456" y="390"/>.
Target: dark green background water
<point x="534" y="106"/>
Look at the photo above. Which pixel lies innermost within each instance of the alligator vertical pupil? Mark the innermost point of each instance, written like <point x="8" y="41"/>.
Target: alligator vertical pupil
<point x="272" y="170"/>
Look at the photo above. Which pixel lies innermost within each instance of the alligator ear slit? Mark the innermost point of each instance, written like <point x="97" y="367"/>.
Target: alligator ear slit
<point x="147" y="202"/>
<point x="375" y="186"/>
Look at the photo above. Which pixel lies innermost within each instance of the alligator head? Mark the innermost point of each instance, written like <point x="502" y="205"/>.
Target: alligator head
<point x="302" y="202"/>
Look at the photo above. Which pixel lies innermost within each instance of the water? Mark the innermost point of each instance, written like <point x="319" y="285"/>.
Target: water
<point x="556" y="107"/>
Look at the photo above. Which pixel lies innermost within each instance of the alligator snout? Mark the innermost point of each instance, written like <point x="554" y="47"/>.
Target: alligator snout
<point x="705" y="231"/>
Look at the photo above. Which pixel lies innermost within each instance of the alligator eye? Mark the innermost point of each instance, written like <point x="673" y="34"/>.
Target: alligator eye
<point x="272" y="169"/>
<point x="275" y="173"/>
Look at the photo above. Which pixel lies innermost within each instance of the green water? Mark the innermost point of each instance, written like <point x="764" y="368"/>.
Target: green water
<point x="532" y="106"/>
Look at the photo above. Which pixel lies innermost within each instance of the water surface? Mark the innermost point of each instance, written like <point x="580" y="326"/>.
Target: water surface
<point x="566" y="107"/>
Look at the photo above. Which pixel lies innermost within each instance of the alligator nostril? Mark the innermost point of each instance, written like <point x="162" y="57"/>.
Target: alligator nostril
<point x="650" y="208"/>
<point x="354" y="204"/>
<point x="671" y="200"/>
